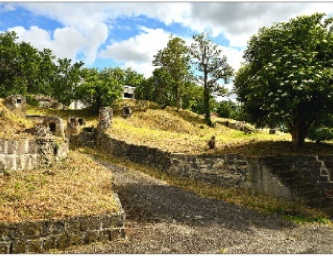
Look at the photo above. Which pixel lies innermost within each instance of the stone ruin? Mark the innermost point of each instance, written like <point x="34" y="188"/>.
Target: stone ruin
<point x="55" y="126"/>
<point x="48" y="102"/>
<point x="74" y="124"/>
<point x="17" y="104"/>
<point x="127" y="111"/>
<point x="105" y="118"/>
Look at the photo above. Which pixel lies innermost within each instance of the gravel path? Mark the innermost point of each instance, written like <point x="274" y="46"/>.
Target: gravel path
<point x="164" y="219"/>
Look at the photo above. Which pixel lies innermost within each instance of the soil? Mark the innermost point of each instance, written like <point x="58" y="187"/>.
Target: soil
<point x="165" y="219"/>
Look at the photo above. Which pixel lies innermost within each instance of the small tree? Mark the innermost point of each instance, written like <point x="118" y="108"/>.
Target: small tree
<point x="212" y="67"/>
<point x="287" y="77"/>
<point x="100" y="88"/>
<point x="174" y="60"/>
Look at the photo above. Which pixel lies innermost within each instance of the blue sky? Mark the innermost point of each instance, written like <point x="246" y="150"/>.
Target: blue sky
<point x="128" y="34"/>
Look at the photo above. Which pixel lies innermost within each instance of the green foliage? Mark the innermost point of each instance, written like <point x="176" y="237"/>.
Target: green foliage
<point x="212" y="66"/>
<point x="320" y="134"/>
<point x="25" y="70"/>
<point x="228" y="109"/>
<point x="100" y="88"/>
<point x="287" y="77"/>
<point x="174" y="75"/>
<point x="66" y="81"/>
<point x="32" y="101"/>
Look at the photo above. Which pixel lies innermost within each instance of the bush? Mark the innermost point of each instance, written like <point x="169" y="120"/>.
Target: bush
<point x="32" y="101"/>
<point x="320" y="134"/>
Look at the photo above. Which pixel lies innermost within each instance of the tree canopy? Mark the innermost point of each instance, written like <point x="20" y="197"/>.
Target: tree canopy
<point x="287" y="76"/>
<point x="100" y="88"/>
<point x="211" y="67"/>
<point x="174" y="60"/>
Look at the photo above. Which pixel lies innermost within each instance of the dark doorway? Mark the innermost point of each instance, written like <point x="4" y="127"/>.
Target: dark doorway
<point x="52" y="127"/>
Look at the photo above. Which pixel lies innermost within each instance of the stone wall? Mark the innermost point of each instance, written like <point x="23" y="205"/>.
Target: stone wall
<point x="43" y="235"/>
<point x="135" y="153"/>
<point x="302" y="177"/>
<point x="308" y="178"/>
<point x="28" y="154"/>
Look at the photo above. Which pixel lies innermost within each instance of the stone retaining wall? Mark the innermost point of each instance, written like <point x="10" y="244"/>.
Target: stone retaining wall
<point x="44" y="235"/>
<point x="27" y="154"/>
<point x="309" y="178"/>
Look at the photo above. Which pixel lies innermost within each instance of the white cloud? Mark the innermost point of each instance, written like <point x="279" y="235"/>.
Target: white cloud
<point x="139" y="50"/>
<point x="67" y="42"/>
<point x="87" y="25"/>
<point x="146" y="69"/>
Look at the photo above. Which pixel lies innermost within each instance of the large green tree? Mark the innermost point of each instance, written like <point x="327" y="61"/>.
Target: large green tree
<point x="67" y="79"/>
<point x="99" y="88"/>
<point x="174" y="60"/>
<point x="23" y="68"/>
<point x="287" y="76"/>
<point x="211" y="67"/>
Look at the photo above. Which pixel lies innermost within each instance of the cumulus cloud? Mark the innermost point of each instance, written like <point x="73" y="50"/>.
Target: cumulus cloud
<point x="87" y="25"/>
<point x="65" y="42"/>
<point x="139" y="50"/>
<point x="239" y="20"/>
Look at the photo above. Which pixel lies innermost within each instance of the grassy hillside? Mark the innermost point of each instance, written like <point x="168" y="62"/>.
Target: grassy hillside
<point x="185" y="132"/>
<point x="11" y="124"/>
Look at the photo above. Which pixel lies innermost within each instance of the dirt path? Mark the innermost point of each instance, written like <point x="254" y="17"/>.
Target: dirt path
<point x="164" y="219"/>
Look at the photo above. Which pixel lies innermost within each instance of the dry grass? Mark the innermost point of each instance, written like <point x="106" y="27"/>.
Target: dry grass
<point x="11" y="123"/>
<point x="75" y="187"/>
<point x="181" y="131"/>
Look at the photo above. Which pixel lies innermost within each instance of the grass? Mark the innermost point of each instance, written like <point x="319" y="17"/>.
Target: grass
<point x="170" y="130"/>
<point x="76" y="186"/>
<point x="297" y="212"/>
<point x="11" y="124"/>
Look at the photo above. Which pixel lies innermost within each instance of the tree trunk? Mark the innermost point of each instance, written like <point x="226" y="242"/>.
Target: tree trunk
<point x="299" y="132"/>
<point x="207" y="107"/>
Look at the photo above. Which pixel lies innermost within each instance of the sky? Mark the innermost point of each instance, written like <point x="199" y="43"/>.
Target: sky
<point x="129" y="34"/>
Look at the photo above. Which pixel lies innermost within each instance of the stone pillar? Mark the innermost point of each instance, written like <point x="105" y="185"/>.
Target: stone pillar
<point x="105" y="118"/>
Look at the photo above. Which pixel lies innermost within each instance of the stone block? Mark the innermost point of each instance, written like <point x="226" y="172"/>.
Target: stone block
<point x="91" y="236"/>
<point x="62" y="241"/>
<point x="9" y="161"/>
<point x="328" y="192"/>
<point x="73" y="224"/>
<point x="12" y="147"/>
<point x="18" y="246"/>
<point x="22" y="147"/>
<point x="76" y="238"/>
<point x="117" y="234"/>
<point x="49" y="243"/>
<point x="107" y="222"/>
<point x="90" y="223"/>
<point x="118" y="221"/>
<point x="53" y="227"/>
<point x="325" y="158"/>
<point x="104" y="236"/>
<point x="5" y="247"/>
<point x="3" y="146"/>
<point x="31" y="229"/>
<point x="32" y="147"/>
<point x="34" y="246"/>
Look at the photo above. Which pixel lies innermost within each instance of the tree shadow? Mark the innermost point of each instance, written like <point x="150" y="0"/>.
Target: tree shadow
<point x="156" y="203"/>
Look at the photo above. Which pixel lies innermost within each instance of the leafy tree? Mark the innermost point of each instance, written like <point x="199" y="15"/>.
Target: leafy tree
<point x="100" y="88"/>
<point x="174" y="59"/>
<point x="287" y="77"/>
<point x="132" y="77"/>
<point x="20" y="66"/>
<point x="47" y="74"/>
<point x="212" y="68"/>
<point x="227" y="109"/>
<point x="66" y="80"/>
